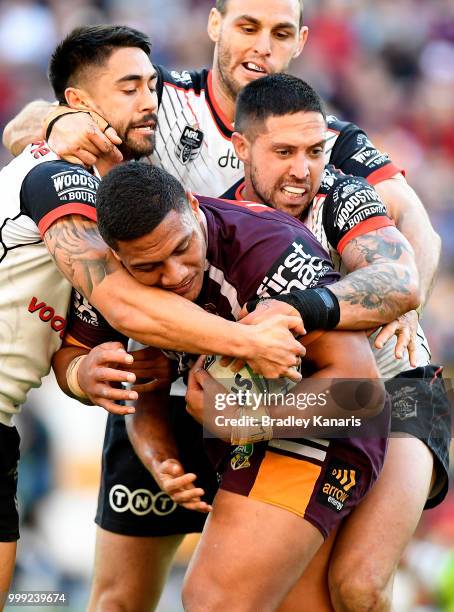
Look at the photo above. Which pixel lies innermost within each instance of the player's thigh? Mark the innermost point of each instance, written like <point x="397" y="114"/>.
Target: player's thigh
<point x="9" y="518"/>
<point x="7" y="559"/>
<point x="373" y="537"/>
<point x="137" y="519"/>
<point x="129" y="571"/>
<point x="311" y="591"/>
<point x="250" y="555"/>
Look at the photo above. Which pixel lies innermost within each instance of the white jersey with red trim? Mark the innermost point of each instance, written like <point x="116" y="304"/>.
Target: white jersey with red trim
<point x="193" y="141"/>
<point x="37" y="188"/>
<point x="338" y="214"/>
<point x="344" y="207"/>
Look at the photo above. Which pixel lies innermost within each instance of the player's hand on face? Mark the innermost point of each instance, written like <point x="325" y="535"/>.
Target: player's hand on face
<point x="179" y="486"/>
<point x="405" y="328"/>
<point x="153" y="370"/>
<point x="77" y="138"/>
<point x="103" y="366"/>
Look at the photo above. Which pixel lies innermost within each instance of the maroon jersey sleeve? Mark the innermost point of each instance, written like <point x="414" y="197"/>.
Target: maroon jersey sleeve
<point x="87" y="327"/>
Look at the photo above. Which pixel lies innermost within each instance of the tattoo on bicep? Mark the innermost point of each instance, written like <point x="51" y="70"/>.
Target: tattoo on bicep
<point x="79" y="252"/>
<point x="382" y="291"/>
<point x="375" y="247"/>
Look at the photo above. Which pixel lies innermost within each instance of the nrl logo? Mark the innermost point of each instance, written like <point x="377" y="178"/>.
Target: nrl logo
<point x="404" y="403"/>
<point x="190" y="144"/>
<point x="240" y="456"/>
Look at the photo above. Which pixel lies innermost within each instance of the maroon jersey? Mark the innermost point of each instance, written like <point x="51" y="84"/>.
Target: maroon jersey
<point x="252" y="251"/>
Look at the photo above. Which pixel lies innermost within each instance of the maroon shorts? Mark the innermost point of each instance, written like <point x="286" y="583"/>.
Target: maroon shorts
<point x="319" y="480"/>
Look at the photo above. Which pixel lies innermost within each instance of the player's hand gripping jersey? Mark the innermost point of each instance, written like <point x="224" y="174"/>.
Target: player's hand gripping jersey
<point x="37" y="189"/>
<point x="193" y="140"/>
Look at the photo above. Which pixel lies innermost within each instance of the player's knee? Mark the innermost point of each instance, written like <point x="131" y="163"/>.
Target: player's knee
<point x="114" y="600"/>
<point x="108" y="602"/>
<point x="205" y="595"/>
<point x="358" y="591"/>
<point x="197" y="595"/>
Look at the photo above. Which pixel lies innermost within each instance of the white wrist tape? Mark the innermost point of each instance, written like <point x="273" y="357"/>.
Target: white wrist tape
<point x="72" y="377"/>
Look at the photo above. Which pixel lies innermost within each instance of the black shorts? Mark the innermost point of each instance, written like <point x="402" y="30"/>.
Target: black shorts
<point x="421" y="407"/>
<point x="130" y="502"/>
<point x="9" y="460"/>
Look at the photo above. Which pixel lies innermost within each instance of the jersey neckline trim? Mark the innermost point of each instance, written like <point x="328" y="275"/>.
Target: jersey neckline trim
<point x="224" y="125"/>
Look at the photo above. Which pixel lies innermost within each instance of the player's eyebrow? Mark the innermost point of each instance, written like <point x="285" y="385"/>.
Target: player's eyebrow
<point x="320" y="143"/>
<point x="285" y="25"/>
<point x="135" y="77"/>
<point x="147" y="264"/>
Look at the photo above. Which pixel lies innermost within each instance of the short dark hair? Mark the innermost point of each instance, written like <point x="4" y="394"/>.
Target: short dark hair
<point x="221" y="6"/>
<point x="89" y="46"/>
<point x="133" y="199"/>
<point x="275" y="95"/>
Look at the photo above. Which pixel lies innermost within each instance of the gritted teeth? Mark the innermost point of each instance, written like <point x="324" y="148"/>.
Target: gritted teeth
<point x="254" y="67"/>
<point x="295" y="190"/>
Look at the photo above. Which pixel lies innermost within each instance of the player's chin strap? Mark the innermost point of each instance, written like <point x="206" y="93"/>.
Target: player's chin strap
<point x="319" y="307"/>
<point x="62" y="110"/>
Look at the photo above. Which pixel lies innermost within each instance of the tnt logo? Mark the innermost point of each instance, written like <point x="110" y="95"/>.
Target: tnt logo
<point x="140" y="502"/>
<point x="340" y="478"/>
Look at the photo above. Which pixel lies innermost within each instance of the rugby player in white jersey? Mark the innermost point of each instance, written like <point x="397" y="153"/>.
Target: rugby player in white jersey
<point x="249" y="38"/>
<point x="276" y="144"/>
<point x="49" y="241"/>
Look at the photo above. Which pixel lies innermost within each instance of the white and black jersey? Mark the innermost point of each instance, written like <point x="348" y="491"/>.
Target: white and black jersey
<point x="193" y="141"/>
<point x="37" y="189"/>
<point x="346" y="207"/>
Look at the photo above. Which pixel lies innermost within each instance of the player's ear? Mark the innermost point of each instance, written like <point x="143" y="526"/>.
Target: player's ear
<point x="242" y="146"/>
<point x="304" y="33"/>
<point x="193" y="203"/>
<point x="214" y="25"/>
<point x="77" y="98"/>
<point x="115" y="254"/>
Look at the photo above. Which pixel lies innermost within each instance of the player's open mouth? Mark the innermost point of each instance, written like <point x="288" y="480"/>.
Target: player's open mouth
<point x="253" y="67"/>
<point x="146" y="128"/>
<point x="294" y="192"/>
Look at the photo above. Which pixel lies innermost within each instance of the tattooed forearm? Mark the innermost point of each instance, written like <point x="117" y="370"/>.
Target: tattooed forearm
<point x="373" y="296"/>
<point x="80" y="253"/>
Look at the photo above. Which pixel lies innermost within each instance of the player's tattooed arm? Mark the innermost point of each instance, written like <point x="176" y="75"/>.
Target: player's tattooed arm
<point x="411" y="218"/>
<point x="80" y="253"/>
<point x="382" y="283"/>
<point x="26" y="127"/>
<point x="160" y="318"/>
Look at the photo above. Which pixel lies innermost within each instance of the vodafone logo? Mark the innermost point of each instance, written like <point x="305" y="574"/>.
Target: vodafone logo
<point x="140" y="501"/>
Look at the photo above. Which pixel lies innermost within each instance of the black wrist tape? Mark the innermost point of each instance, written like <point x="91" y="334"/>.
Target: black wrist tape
<point x="319" y="307"/>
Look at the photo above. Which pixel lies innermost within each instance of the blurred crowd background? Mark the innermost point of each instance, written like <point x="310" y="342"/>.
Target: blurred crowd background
<point x="386" y="65"/>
